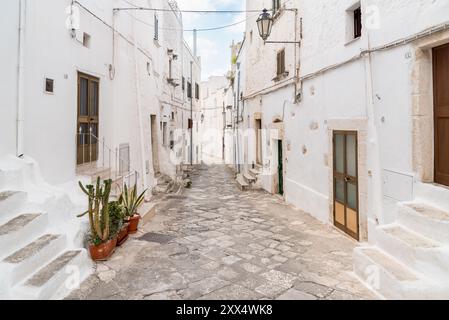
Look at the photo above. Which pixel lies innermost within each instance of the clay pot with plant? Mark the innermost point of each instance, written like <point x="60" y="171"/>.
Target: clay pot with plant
<point x="102" y="240"/>
<point x="131" y="202"/>
<point x="118" y="224"/>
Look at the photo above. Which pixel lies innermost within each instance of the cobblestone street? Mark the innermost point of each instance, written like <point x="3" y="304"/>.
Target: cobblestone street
<point x="216" y="242"/>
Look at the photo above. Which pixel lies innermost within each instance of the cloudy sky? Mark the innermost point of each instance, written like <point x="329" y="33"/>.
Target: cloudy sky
<point x="213" y="46"/>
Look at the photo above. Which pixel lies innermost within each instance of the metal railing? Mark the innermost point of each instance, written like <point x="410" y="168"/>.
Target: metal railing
<point x="95" y="154"/>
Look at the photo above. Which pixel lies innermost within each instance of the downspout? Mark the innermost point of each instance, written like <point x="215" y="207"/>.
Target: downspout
<point x="238" y="121"/>
<point x="20" y="78"/>
<point x="373" y="143"/>
<point x="191" y="113"/>
<point x="139" y="114"/>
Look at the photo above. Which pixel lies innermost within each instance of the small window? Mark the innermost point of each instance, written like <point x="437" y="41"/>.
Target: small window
<point x="172" y="140"/>
<point x="183" y="84"/>
<point x="197" y="91"/>
<point x="189" y="90"/>
<point x="49" y="85"/>
<point x="86" y="40"/>
<point x="280" y="69"/>
<point x="357" y="23"/>
<point x="156" y="27"/>
<point x="276" y="5"/>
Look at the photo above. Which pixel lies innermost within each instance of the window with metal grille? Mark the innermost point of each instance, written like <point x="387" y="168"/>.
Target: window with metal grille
<point x="357" y="23"/>
<point x="280" y="70"/>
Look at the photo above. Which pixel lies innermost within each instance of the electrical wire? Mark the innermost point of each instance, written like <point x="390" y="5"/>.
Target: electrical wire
<point x="188" y="11"/>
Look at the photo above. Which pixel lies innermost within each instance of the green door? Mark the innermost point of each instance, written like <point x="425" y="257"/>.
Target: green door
<point x="280" y="168"/>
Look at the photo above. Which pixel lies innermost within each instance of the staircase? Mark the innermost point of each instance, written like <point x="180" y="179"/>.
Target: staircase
<point x="409" y="259"/>
<point x="248" y="180"/>
<point x="39" y="256"/>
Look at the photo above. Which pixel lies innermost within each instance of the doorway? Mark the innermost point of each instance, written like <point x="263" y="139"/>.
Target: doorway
<point x="259" y="141"/>
<point x="441" y="113"/>
<point x="154" y="145"/>
<point x="280" y="168"/>
<point x="346" y="195"/>
<point x="87" y="119"/>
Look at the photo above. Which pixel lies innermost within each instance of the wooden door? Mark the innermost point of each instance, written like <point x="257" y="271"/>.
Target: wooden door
<point x="88" y="120"/>
<point x="346" y="195"/>
<point x="441" y="113"/>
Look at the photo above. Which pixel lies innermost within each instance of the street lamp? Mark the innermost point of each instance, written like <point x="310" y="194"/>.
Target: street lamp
<point x="265" y="24"/>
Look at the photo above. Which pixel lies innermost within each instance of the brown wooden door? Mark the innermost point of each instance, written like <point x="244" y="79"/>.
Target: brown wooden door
<point x="346" y="194"/>
<point x="259" y="141"/>
<point x="87" y="124"/>
<point x="441" y="113"/>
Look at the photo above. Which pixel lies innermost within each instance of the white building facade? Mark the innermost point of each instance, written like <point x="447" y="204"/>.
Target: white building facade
<point x="350" y="126"/>
<point x="91" y="91"/>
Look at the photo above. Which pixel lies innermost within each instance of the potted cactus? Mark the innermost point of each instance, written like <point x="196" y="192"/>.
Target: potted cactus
<point x="131" y="202"/>
<point x="102" y="240"/>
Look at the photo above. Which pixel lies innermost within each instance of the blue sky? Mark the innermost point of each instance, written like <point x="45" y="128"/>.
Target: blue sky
<point x="213" y="46"/>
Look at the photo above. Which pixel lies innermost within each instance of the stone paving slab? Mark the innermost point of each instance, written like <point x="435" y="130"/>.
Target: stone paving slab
<point x="223" y="244"/>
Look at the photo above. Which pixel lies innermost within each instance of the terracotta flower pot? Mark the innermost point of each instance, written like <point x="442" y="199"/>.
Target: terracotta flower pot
<point x="133" y="224"/>
<point x="123" y="235"/>
<point x="102" y="251"/>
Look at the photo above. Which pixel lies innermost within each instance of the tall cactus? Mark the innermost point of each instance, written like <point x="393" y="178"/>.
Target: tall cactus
<point x="98" y="209"/>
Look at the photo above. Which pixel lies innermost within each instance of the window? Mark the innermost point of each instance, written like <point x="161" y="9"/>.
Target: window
<point x="189" y="90"/>
<point x="49" y="85"/>
<point x="190" y="124"/>
<point x="197" y="91"/>
<point x="173" y="116"/>
<point x="164" y="133"/>
<point x="183" y="84"/>
<point x="357" y="23"/>
<point x="280" y="69"/>
<point x="156" y="27"/>
<point x="276" y="5"/>
<point x="86" y="40"/>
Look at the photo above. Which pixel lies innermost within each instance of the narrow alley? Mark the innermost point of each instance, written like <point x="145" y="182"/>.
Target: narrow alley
<point x="216" y="242"/>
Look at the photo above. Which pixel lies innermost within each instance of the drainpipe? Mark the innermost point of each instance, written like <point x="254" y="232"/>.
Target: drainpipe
<point x="20" y="78"/>
<point x="373" y="145"/>
<point x="191" y="113"/>
<point x="139" y="113"/>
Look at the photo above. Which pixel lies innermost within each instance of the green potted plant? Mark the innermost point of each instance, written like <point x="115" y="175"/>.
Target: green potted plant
<point x="118" y="224"/>
<point x="131" y="202"/>
<point x="102" y="240"/>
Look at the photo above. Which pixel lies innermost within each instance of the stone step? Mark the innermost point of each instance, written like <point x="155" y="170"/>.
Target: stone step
<point x="58" y="278"/>
<point x="241" y="183"/>
<point x="20" y="230"/>
<point x="425" y="219"/>
<point x="391" y="279"/>
<point x="33" y="256"/>
<point x="10" y="202"/>
<point x="414" y="250"/>
<point x="254" y="172"/>
<point x="250" y="179"/>
<point x="432" y="194"/>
